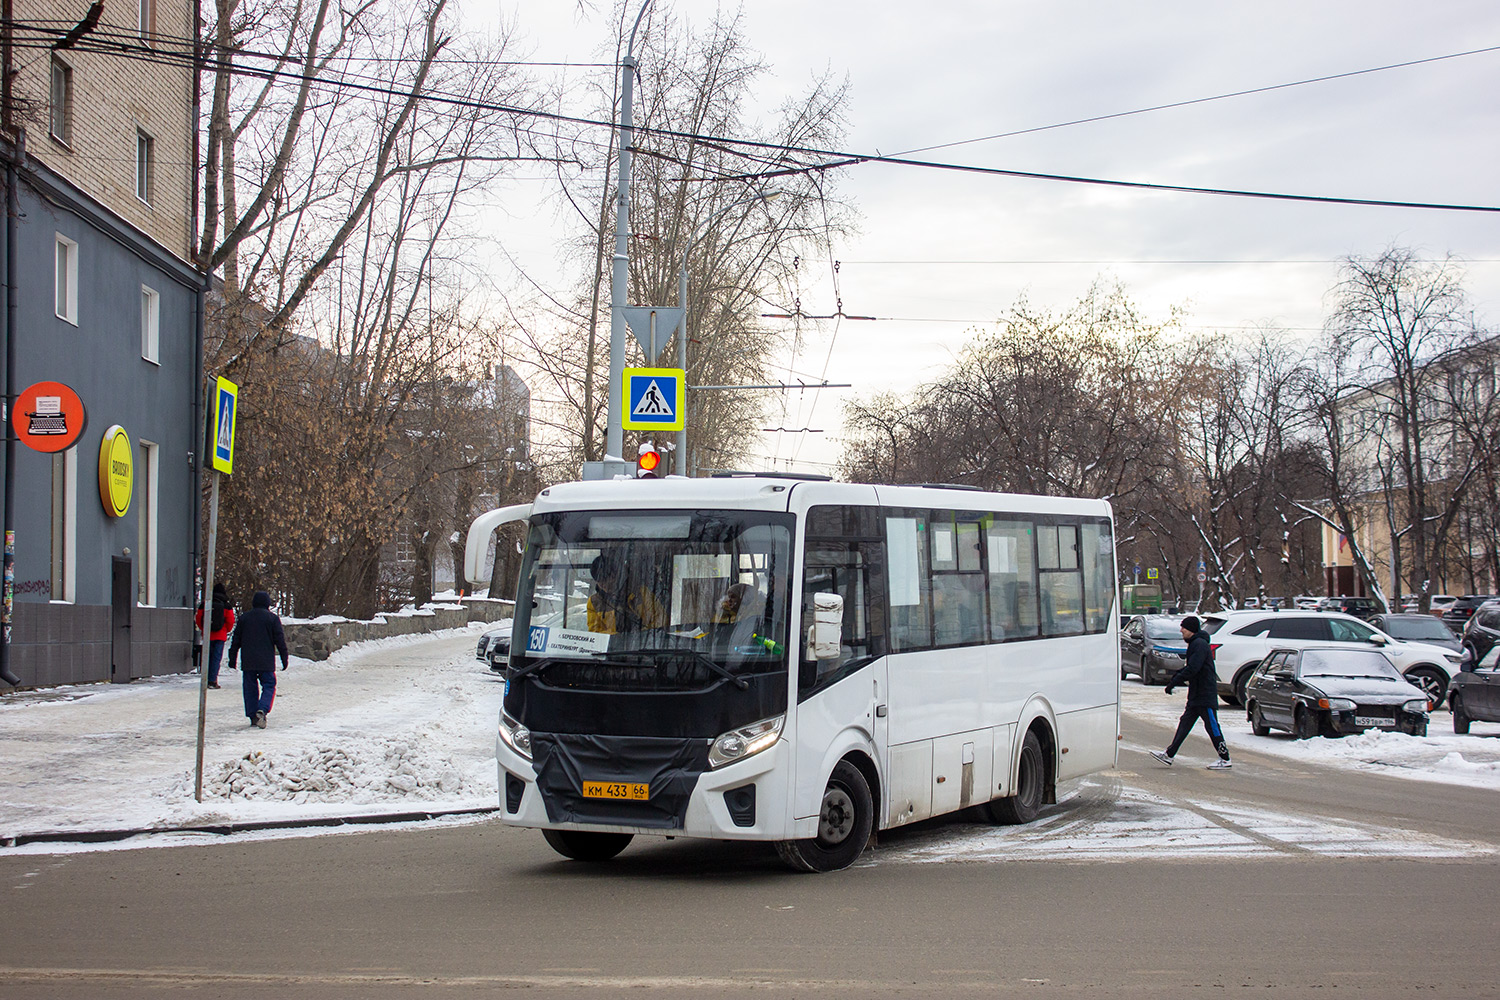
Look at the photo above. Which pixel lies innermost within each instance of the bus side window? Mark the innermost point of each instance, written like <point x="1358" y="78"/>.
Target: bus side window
<point x="849" y="566"/>
<point x="1012" y="580"/>
<point x="909" y="582"/>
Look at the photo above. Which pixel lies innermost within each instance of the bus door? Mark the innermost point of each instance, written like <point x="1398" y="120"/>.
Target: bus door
<point x="841" y="693"/>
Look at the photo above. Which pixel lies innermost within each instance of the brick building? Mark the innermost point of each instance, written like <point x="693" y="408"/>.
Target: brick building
<point x="98" y="142"/>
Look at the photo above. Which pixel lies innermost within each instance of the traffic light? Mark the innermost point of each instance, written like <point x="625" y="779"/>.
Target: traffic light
<point x="647" y="462"/>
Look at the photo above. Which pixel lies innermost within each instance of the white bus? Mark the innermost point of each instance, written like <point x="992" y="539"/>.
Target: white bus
<point x="778" y="658"/>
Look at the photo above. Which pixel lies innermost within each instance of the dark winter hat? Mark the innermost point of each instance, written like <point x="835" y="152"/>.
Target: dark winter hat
<point x="1191" y="623"/>
<point x="263" y="600"/>
<point x="219" y="590"/>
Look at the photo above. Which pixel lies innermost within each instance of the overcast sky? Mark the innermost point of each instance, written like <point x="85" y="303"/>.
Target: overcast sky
<point x="939" y="253"/>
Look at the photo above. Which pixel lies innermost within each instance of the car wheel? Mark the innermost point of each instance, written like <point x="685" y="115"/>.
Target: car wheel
<point x="581" y="845"/>
<point x="844" y="824"/>
<point x="1258" y="722"/>
<point x="1305" y="726"/>
<point x="1460" y="717"/>
<point x="1031" y="782"/>
<point x="1432" y="681"/>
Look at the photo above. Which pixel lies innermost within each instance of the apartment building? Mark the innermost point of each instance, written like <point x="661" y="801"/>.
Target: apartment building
<point x="98" y="132"/>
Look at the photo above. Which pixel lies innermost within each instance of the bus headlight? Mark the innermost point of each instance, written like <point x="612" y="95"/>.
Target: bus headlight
<point x="515" y="735"/>
<point x="737" y="744"/>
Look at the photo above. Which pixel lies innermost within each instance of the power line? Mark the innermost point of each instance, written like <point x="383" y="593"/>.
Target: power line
<point x="838" y="159"/>
<point x="1205" y="100"/>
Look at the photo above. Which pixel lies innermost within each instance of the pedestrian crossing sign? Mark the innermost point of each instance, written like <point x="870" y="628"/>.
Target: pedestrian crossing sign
<point x="653" y="399"/>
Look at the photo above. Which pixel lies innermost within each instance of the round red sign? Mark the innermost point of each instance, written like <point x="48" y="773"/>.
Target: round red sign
<point x="48" y="416"/>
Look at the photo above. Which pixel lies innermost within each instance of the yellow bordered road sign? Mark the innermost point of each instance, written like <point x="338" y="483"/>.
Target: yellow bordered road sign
<point x="226" y="404"/>
<point x="653" y="399"/>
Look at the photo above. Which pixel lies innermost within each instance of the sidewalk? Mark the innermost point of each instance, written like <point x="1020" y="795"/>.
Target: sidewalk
<point x="392" y="726"/>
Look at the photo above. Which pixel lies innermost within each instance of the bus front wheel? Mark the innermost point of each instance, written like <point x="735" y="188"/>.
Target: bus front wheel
<point x="1031" y="782"/>
<point x="581" y="845"/>
<point x="844" y="823"/>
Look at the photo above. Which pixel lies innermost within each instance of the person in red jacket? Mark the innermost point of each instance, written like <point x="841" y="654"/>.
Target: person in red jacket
<point x="220" y="624"/>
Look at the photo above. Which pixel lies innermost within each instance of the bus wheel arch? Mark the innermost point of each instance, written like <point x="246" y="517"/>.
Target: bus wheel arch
<point x="1035" y="782"/>
<point x="846" y="820"/>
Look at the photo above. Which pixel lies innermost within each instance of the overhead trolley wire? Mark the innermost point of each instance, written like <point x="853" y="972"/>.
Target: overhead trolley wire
<point x="838" y="159"/>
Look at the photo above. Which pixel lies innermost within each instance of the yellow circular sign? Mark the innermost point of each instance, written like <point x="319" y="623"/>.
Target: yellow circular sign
<point x="116" y="471"/>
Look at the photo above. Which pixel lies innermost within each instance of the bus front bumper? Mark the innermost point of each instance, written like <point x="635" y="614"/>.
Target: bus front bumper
<point x="744" y="800"/>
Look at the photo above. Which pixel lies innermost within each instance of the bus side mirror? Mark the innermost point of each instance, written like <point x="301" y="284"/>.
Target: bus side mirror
<point x="828" y="626"/>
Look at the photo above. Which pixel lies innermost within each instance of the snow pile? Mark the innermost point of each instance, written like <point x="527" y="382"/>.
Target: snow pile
<point x="1456" y="763"/>
<point x="375" y="771"/>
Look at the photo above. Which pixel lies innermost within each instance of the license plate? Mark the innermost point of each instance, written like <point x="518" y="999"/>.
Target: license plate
<point x="1373" y="720"/>
<point x="635" y="791"/>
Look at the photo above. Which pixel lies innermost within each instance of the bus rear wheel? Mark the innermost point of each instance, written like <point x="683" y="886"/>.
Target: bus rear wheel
<point x="1031" y="781"/>
<point x="581" y="845"/>
<point x="844" y="823"/>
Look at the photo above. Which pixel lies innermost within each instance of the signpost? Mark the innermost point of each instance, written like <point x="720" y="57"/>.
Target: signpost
<point x="653" y="398"/>
<point x="226" y="404"/>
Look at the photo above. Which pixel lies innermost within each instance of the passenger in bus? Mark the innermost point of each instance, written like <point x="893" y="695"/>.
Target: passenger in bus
<point x="614" y="607"/>
<point x="741" y="602"/>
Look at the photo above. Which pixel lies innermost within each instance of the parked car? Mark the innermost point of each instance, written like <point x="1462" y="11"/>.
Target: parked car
<point x="1306" y="602"/>
<point x="1441" y="603"/>
<point x="1359" y="607"/>
<point x="1461" y="610"/>
<point x="1152" y="648"/>
<point x="489" y="637"/>
<point x="1241" y="639"/>
<point x="1483" y="631"/>
<point x="1474" y="694"/>
<point x="1332" y="691"/>
<point x="1418" y="627"/>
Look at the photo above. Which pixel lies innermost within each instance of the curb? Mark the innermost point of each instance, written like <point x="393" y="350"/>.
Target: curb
<point x="110" y="836"/>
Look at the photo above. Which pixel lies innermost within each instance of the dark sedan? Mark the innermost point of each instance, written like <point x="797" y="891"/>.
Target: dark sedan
<point x="1332" y="691"/>
<point x="1483" y="631"/>
<point x="1474" y="694"/>
<point x="1418" y="628"/>
<point x="1460" y="611"/>
<point x="1152" y="647"/>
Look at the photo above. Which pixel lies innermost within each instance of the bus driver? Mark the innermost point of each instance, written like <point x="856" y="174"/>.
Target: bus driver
<point x="612" y="610"/>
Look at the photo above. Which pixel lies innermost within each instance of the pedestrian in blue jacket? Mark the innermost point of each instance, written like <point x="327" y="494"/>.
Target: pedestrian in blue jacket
<point x="260" y="635"/>
<point x="1202" y="682"/>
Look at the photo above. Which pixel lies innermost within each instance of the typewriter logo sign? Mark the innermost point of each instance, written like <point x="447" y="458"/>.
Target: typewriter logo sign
<point x="49" y="417"/>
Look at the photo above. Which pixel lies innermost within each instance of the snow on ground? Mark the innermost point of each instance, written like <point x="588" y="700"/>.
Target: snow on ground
<point x="392" y="725"/>
<point x="1472" y="760"/>
<point x="407" y="724"/>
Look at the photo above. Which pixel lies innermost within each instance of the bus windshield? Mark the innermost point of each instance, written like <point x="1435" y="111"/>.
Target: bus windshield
<point x="653" y="599"/>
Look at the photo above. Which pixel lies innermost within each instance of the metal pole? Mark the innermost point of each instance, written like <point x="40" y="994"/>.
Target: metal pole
<point x="208" y="589"/>
<point x="619" y="283"/>
<point x="682" y="339"/>
<point x="12" y="211"/>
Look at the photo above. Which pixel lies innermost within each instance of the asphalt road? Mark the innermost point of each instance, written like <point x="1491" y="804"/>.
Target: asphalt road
<point x="482" y="910"/>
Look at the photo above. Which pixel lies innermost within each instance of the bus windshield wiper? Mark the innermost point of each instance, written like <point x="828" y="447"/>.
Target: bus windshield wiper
<point x="651" y="657"/>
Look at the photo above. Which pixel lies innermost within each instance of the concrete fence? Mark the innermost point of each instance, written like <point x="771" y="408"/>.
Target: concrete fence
<point x="317" y="640"/>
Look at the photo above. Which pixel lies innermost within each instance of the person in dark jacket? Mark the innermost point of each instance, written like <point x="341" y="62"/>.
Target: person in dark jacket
<point x="260" y="635"/>
<point x="1202" y="682"/>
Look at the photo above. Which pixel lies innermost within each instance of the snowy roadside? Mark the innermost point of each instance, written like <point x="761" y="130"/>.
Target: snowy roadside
<point x="393" y="725"/>
<point x="1472" y="760"/>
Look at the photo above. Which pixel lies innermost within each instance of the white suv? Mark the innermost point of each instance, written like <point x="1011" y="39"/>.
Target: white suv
<point x="1241" y="639"/>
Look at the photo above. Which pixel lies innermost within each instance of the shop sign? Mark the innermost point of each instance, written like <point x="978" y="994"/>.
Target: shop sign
<point x="48" y="417"/>
<point x="116" y="471"/>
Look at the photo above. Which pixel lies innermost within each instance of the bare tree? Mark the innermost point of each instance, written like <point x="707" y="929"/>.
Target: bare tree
<point x="685" y="193"/>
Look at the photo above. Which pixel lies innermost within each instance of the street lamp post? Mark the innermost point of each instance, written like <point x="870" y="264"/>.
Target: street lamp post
<point x="619" y="285"/>
<point x="682" y="284"/>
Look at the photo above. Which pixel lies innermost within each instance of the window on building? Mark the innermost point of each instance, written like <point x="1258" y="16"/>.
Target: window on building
<point x="67" y="279"/>
<point x="64" y="524"/>
<point x="145" y="165"/>
<point x="145" y="551"/>
<point x="150" y="325"/>
<point x="60" y="113"/>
